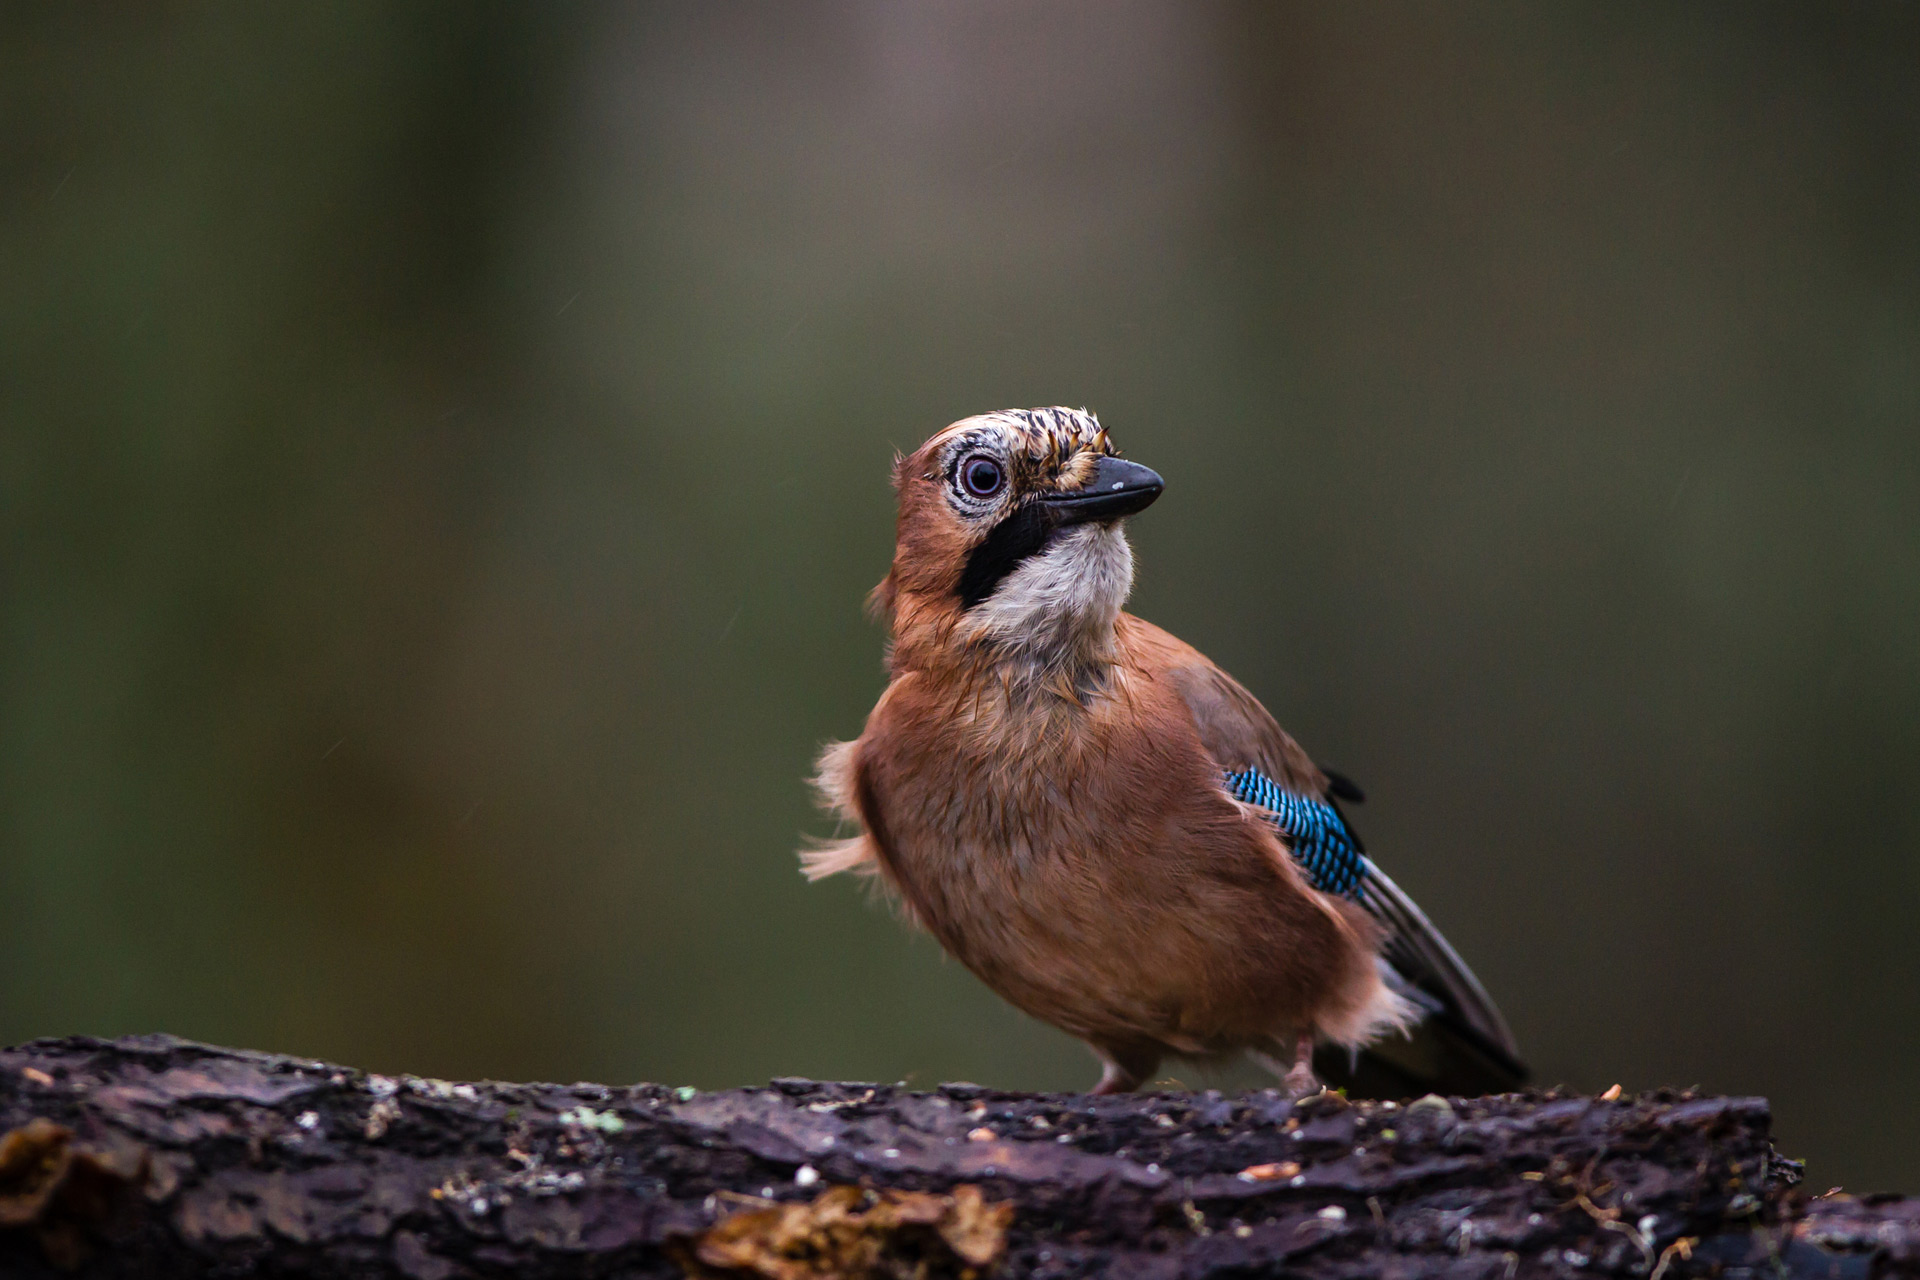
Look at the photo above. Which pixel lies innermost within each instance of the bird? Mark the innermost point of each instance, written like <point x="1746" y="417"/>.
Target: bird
<point x="1103" y="826"/>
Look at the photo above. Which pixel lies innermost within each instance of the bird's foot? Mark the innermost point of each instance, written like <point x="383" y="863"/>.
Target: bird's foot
<point x="1298" y="1080"/>
<point x="1301" y="1082"/>
<point x="1123" y="1071"/>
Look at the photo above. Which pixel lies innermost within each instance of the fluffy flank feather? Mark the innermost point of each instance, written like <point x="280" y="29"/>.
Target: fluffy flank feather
<point x="1383" y="1010"/>
<point x="833" y="774"/>
<point x="824" y="858"/>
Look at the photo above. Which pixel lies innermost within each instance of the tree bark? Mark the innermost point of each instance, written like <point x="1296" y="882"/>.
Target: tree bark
<point x="156" y="1157"/>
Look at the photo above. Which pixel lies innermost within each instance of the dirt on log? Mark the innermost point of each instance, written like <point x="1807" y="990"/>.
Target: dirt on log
<point x="156" y="1157"/>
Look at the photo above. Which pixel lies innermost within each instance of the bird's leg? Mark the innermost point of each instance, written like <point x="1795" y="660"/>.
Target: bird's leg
<point x="1300" y="1080"/>
<point x="1124" y="1070"/>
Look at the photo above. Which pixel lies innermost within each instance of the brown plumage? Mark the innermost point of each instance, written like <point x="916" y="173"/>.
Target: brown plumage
<point x="1041" y="782"/>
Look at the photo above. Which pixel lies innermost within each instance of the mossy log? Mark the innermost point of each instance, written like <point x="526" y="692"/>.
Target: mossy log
<point x="156" y="1157"/>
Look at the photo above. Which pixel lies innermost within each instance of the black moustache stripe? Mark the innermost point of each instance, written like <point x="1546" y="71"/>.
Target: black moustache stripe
<point x="1022" y="534"/>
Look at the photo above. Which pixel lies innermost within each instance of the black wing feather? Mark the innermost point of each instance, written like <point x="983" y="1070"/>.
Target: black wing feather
<point x="1422" y="955"/>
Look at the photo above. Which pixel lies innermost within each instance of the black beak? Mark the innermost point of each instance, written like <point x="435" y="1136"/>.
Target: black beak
<point x="1118" y="488"/>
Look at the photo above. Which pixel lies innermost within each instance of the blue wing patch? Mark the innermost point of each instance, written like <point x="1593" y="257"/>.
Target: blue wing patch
<point x="1320" y="841"/>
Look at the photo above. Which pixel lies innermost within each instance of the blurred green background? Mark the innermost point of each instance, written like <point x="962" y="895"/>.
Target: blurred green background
<point x="444" y="451"/>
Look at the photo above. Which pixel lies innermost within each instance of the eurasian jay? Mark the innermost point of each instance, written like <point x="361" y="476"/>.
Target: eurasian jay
<point x="1103" y="826"/>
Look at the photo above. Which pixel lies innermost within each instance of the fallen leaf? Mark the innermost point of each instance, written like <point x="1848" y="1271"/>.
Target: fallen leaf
<point x="855" y="1234"/>
<point x="33" y="1163"/>
<point x="47" y="1184"/>
<point x="974" y="1229"/>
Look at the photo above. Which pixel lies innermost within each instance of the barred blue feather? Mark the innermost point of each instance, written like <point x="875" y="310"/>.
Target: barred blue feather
<point x="1313" y="830"/>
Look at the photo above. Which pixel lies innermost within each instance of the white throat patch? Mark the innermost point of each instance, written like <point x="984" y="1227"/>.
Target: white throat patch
<point x="1059" y="606"/>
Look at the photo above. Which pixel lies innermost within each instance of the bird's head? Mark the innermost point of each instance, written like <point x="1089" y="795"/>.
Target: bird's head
<point x="1009" y="536"/>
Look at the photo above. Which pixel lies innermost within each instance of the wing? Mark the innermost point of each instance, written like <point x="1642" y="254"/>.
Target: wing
<point x="1265" y="767"/>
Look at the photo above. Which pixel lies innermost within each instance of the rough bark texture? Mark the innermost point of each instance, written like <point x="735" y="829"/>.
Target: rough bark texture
<point x="156" y="1157"/>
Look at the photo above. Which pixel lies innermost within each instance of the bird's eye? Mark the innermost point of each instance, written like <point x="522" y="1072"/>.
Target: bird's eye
<point x="981" y="476"/>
